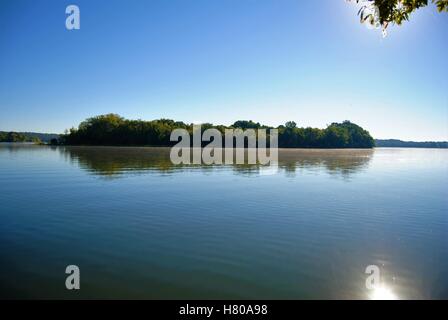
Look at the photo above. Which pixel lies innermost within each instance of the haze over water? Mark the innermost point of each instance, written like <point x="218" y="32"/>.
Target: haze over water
<point x="139" y="227"/>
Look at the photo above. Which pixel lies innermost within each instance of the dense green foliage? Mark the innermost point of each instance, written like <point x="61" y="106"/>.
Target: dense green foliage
<point x="17" y="137"/>
<point x="111" y="129"/>
<point x="336" y="135"/>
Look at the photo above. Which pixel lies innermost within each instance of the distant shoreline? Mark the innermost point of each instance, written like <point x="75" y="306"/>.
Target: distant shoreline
<point x="45" y="139"/>
<point x="395" y="143"/>
<point x="165" y="147"/>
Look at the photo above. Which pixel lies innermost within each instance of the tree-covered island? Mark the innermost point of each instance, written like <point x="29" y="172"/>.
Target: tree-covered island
<point x="112" y="129"/>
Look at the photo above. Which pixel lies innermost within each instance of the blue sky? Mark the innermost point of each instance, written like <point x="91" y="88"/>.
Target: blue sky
<point x="222" y="60"/>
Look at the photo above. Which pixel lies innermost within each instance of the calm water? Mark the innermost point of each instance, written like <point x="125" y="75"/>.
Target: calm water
<point x="139" y="227"/>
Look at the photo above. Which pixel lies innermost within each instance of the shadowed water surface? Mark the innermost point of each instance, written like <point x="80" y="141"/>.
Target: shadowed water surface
<point x="140" y="227"/>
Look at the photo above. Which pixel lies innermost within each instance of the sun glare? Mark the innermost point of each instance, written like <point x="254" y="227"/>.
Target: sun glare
<point x="383" y="293"/>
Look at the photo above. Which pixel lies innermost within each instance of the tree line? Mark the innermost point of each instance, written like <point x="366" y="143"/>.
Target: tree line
<point x="112" y="129"/>
<point x="394" y="143"/>
<point x="17" y="137"/>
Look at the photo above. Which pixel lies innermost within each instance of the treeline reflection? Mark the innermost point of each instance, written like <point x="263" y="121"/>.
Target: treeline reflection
<point x="117" y="161"/>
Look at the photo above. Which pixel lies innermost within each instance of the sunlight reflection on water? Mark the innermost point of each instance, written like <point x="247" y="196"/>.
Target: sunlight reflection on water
<point x="383" y="293"/>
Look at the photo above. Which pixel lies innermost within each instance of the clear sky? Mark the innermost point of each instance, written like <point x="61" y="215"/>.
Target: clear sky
<point x="222" y="60"/>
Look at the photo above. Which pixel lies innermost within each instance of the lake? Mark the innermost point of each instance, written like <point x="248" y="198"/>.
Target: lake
<point x="139" y="227"/>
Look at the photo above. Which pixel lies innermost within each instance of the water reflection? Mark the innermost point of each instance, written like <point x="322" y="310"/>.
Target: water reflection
<point x="14" y="147"/>
<point x="164" y="232"/>
<point x="116" y="161"/>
